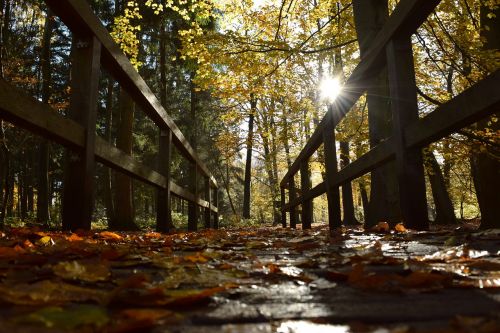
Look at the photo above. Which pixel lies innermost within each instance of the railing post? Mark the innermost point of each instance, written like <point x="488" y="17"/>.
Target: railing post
<point x="305" y="185"/>
<point x="332" y="192"/>
<point x="80" y="168"/>
<point x="208" y="197"/>
<point x="292" y="194"/>
<point x="283" y="212"/>
<point x="216" y="203"/>
<point x="409" y="162"/>
<point x="163" y="195"/>
<point x="193" y="210"/>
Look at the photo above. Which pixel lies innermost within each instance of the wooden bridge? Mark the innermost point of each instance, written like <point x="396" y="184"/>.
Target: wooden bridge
<point x="392" y="48"/>
<point x="95" y="50"/>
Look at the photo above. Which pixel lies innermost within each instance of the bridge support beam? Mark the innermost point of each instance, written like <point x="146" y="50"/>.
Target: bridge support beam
<point x="409" y="162"/>
<point x="332" y="192"/>
<point x="283" y="212"/>
<point x="305" y="184"/>
<point x="292" y="194"/>
<point x="80" y="166"/>
<point x="163" y="195"/>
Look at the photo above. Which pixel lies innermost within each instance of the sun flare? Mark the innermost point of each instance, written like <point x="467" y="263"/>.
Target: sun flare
<point x="330" y="89"/>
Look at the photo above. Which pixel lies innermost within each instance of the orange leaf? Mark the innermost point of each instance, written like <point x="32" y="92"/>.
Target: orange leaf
<point x="400" y="228"/>
<point x="74" y="238"/>
<point x="108" y="235"/>
<point x="28" y="244"/>
<point x="196" y="258"/>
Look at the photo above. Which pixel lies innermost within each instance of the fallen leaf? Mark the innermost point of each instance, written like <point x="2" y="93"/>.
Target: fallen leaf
<point x="400" y="228"/>
<point x="45" y="241"/>
<point x="381" y="227"/>
<point x="108" y="235"/>
<point x="83" y="271"/>
<point x="74" y="238"/>
<point x="48" y="292"/>
<point x="11" y="251"/>
<point x="67" y="319"/>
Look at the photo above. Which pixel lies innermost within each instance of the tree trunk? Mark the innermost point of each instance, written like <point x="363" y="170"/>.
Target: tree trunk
<point x="248" y="164"/>
<point x="485" y="163"/>
<point x="124" y="208"/>
<point x="273" y="181"/>
<point x="163" y="64"/>
<point x="43" y="157"/>
<point x="107" y="178"/>
<point x="2" y="40"/>
<point x="369" y="17"/>
<point x="445" y="213"/>
<point x="347" y="200"/>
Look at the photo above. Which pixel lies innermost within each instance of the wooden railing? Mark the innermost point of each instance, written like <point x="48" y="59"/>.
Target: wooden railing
<point x="94" y="48"/>
<point x="392" y="48"/>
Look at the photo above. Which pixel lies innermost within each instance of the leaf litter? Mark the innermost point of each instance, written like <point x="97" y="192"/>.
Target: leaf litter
<point x="126" y="282"/>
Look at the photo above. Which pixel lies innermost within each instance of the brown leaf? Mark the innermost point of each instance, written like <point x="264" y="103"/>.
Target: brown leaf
<point x="11" y="251"/>
<point x="90" y="271"/>
<point x="381" y="227"/>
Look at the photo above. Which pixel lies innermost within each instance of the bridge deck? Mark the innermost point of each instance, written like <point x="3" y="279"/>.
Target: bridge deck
<point x="265" y="280"/>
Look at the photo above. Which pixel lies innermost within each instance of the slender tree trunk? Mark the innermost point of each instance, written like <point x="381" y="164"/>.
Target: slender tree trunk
<point x="23" y="187"/>
<point x="273" y="181"/>
<point x="2" y="41"/>
<point x="248" y="164"/>
<point x="107" y="177"/>
<point x="277" y="202"/>
<point x="43" y="159"/>
<point x="370" y="16"/>
<point x="163" y="64"/>
<point x="347" y="200"/>
<point x="485" y="163"/>
<point x="227" y="188"/>
<point x="124" y="207"/>
<point x="444" y="207"/>
<point x="286" y="139"/>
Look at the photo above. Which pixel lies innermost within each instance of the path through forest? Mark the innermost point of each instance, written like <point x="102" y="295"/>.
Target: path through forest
<point x="263" y="280"/>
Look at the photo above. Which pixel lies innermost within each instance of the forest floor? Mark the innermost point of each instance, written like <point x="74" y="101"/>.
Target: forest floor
<point x="251" y="280"/>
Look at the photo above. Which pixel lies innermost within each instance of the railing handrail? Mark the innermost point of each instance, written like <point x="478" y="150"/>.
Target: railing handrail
<point x="78" y="16"/>
<point x="96" y="49"/>
<point x="370" y="65"/>
<point x="410" y="133"/>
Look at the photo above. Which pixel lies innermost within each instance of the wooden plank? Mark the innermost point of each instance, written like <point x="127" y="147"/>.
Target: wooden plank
<point x="475" y="103"/>
<point x="332" y="192"/>
<point x="376" y="157"/>
<point x="315" y="192"/>
<point x="25" y="111"/>
<point x="292" y="196"/>
<point x="409" y="161"/>
<point x="113" y="157"/>
<point x="79" y="168"/>
<point x="163" y="195"/>
<point x="408" y="15"/>
<point x="283" y="212"/>
<point x="78" y="16"/>
<point x="379" y="155"/>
